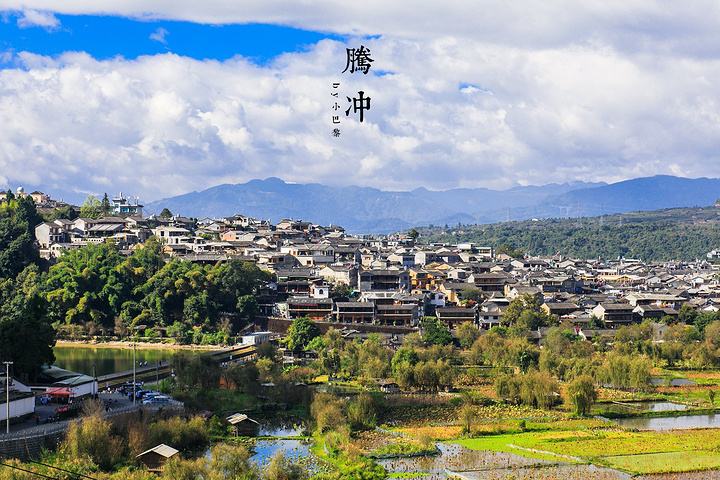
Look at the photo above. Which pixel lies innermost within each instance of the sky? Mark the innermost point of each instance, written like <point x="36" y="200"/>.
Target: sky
<point x="158" y="98"/>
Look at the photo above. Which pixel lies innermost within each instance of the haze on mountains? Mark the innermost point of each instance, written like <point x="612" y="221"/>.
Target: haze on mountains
<point x="370" y="210"/>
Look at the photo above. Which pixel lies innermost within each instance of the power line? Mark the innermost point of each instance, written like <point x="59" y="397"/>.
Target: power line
<point x="29" y="471"/>
<point x="77" y="474"/>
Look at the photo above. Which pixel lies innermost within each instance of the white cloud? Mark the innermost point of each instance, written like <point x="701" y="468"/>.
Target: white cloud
<point x="36" y="18"/>
<point x="632" y="25"/>
<point x="163" y="125"/>
<point x="594" y="91"/>
<point x="159" y="35"/>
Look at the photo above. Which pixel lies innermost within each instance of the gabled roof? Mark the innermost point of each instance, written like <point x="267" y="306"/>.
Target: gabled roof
<point x="162" y="450"/>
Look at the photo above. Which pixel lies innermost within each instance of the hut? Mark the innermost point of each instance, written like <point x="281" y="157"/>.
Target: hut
<point x="155" y="458"/>
<point x="243" y="425"/>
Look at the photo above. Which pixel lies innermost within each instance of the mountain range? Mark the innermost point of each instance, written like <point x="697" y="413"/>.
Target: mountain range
<point x="370" y="210"/>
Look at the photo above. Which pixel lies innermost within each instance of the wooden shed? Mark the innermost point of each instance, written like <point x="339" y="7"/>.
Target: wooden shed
<point x="155" y="458"/>
<point x="243" y="425"/>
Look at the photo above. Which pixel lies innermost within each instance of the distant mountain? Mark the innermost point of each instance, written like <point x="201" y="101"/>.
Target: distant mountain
<point x="370" y="210"/>
<point x="359" y="209"/>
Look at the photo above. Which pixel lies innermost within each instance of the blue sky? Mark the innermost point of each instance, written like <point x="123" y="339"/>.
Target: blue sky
<point x="109" y="36"/>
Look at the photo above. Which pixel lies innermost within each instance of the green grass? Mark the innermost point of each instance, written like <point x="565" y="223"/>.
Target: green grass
<point x="634" y="452"/>
<point x="667" y="462"/>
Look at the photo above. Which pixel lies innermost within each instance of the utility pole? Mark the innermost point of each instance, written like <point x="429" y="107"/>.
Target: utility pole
<point x="134" y="376"/>
<point x="7" y="396"/>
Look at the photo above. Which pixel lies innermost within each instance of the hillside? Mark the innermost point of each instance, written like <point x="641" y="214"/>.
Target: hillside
<point x="678" y="233"/>
<point x="371" y="210"/>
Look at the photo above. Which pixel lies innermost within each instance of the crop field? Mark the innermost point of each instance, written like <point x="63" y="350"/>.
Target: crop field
<point x="633" y="452"/>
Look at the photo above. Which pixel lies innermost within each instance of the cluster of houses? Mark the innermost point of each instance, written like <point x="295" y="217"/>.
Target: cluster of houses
<point x="386" y="284"/>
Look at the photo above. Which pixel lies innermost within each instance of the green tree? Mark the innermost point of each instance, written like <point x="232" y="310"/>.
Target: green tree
<point x="26" y="335"/>
<point x="435" y="332"/>
<point x="18" y="219"/>
<point x="300" y="333"/>
<point x="91" y="207"/>
<point x="581" y="394"/>
<point x="166" y="213"/>
<point x="105" y="207"/>
<point x="467" y="333"/>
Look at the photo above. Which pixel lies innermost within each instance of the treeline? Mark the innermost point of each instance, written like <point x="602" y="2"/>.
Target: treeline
<point x="646" y="237"/>
<point x="97" y="290"/>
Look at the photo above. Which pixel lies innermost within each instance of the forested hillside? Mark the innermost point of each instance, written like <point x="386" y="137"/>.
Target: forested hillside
<point x="679" y="233"/>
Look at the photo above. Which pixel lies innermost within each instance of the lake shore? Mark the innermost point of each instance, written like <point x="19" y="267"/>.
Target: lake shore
<point x="140" y="345"/>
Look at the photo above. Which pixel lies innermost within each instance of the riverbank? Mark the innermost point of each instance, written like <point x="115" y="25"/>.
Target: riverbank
<point x="143" y="345"/>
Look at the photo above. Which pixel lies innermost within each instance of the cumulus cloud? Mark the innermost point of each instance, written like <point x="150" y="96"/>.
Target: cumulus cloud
<point x="163" y="125"/>
<point x="159" y="35"/>
<point x="37" y="18"/>
<point x="632" y="25"/>
<point x="597" y="91"/>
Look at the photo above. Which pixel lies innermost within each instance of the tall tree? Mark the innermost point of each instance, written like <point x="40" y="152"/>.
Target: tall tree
<point x="18" y="219"/>
<point x="26" y="336"/>
<point x="105" y="207"/>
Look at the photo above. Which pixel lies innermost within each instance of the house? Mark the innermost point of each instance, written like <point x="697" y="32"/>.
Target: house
<point x="242" y="425"/>
<point x="354" y="312"/>
<point x="614" y="314"/>
<point x="559" y="309"/>
<point x="155" y="458"/>
<point x="454" y="316"/>
<point x="340" y="274"/>
<point x="387" y="280"/>
<point x="22" y="400"/>
<point x="123" y="206"/>
<point x="388" y="386"/>
<point x="397" y="315"/>
<point x="313" y="308"/>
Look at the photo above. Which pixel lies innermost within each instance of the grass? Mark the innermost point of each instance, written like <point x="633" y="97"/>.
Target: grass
<point x="634" y="452"/>
<point x="668" y="462"/>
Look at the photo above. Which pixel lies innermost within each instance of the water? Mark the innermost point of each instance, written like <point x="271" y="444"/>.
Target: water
<point x="671" y="423"/>
<point x="456" y="458"/>
<point x="642" y="407"/>
<point x="295" y="450"/>
<point x="675" y="382"/>
<point x="107" y="360"/>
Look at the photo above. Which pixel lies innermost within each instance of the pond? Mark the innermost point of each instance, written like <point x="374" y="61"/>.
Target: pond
<point x="107" y="360"/>
<point x="671" y="423"/>
<point x="674" y="382"/>
<point x="641" y="407"/>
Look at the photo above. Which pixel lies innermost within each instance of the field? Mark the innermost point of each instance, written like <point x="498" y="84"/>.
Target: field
<point x="633" y="452"/>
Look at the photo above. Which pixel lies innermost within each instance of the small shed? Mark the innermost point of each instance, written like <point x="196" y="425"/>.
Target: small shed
<point x="388" y="386"/>
<point x="155" y="458"/>
<point x="243" y="425"/>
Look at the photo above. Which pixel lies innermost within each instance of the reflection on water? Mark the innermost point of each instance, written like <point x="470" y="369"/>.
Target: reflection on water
<point x="477" y="465"/>
<point x="641" y="407"/>
<point x="671" y="423"/>
<point x="295" y="450"/>
<point x="106" y="360"/>
<point x="674" y="382"/>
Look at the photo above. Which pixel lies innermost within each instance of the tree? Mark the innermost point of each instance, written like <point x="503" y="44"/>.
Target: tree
<point x="413" y="234"/>
<point x="525" y="313"/>
<point x="300" y="333"/>
<point x="18" y="218"/>
<point x="581" y="394"/>
<point x="435" y="332"/>
<point x="466" y="416"/>
<point x="166" y="213"/>
<point x="91" y="207"/>
<point x="105" y="207"/>
<point x="26" y="334"/>
<point x="467" y="333"/>
<point x="471" y="294"/>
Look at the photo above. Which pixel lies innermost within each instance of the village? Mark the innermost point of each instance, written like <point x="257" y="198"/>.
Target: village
<point x="386" y="284"/>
